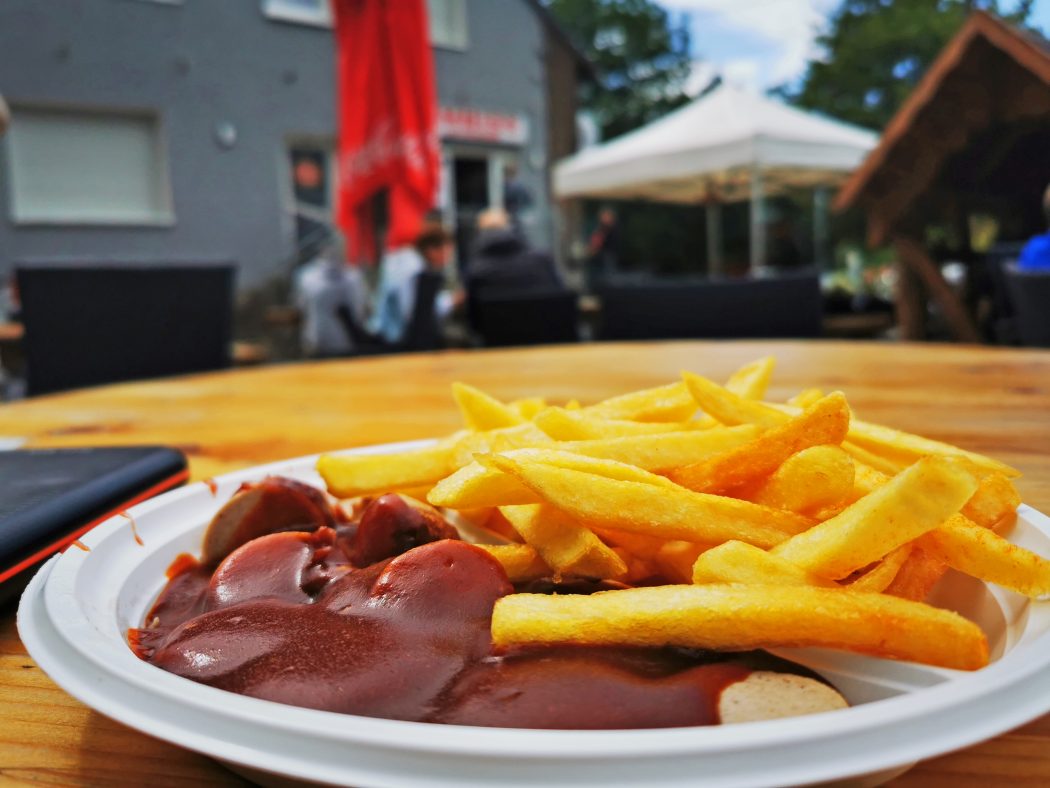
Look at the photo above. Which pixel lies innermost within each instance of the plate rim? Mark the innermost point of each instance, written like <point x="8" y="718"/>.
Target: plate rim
<point x="616" y="745"/>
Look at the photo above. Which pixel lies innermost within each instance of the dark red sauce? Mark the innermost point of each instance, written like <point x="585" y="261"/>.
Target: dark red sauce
<point x="134" y="528"/>
<point x="298" y="617"/>
<point x="184" y="562"/>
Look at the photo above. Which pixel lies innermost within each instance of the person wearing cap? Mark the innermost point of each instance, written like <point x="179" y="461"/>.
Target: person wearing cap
<point x="1035" y="256"/>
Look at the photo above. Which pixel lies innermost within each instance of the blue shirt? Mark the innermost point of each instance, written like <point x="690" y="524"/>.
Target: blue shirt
<point x="1036" y="254"/>
<point x="396" y="293"/>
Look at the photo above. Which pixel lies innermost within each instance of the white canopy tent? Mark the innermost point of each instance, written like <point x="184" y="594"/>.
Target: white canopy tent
<point x="726" y="146"/>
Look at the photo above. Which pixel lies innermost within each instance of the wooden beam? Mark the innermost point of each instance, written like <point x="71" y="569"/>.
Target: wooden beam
<point x="910" y="303"/>
<point x="913" y="254"/>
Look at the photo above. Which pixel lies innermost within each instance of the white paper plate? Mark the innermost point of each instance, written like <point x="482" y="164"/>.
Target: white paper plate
<point x="75" y="614"/>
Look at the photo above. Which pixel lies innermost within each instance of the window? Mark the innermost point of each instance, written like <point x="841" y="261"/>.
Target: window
<point x="92" y="168"/>
<point x="448" y="23"/>
<point x="306" y="12"/>
<point x="447" y="18"/>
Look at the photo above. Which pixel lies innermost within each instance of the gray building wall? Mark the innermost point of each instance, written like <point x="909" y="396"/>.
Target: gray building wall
<point x="201" y="63"/>
<point x="507" y="43"/>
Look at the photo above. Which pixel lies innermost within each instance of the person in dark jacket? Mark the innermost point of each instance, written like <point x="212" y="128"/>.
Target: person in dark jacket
<point x="503" y="261"/>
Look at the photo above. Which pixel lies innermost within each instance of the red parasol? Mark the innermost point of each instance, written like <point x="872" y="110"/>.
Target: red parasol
<point x="387" y="118"/>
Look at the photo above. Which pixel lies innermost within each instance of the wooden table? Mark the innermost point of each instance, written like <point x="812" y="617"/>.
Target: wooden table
<point x="990" y="400"/>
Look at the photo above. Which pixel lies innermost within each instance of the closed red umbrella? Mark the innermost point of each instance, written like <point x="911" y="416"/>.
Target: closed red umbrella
<point x="387" y="118"/>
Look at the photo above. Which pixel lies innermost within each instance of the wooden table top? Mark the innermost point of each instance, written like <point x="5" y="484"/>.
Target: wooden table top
<point x="995" y="401"/>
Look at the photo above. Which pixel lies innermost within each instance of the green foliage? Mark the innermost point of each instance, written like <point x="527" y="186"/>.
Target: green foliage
<point x="641" y="56"/>
<point x="878" y="50"/>
<point x="642" y="60"/>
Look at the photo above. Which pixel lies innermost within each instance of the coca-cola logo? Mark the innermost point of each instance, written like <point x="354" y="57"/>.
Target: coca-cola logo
<point x="386" y="146"/>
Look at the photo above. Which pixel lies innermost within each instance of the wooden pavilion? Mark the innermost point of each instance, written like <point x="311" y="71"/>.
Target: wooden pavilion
<point x="973" y="138"/>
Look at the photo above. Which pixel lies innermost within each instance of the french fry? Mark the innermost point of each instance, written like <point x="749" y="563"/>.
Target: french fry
<point x="814" y="481"/>
<point x="662" y="452"/>
<point x="663" y="403"/>
<point x="878" y="578"/>
<point x="914" y="502"/>
<point x="834" y="525"/>
<point x="737" y="562"/>
<point x="907" y="448"/>
<point x="995" y="501"/>
<point x="865" y="478"/>
<point x="874" y="461"/>
<point x="919" y="573"/>
<point x="752" y="380"/>
<point x="475" y="485"/>
<point x="639" y="545"/>
<point x="348" y="475"/>
<point x="566" y="547"/>
<point x="738" y="617"/>
<point x="610" y="469"/>
<point x="479" y="484"/>
<point x="502" y="439"/>
<point x="482" y="411"/>
<point x="672" y="513"/>
<point x="982" y="553"/>
<point x="521" y="562"/>
<point x="639" y="570"/>
<point x="894" y="449"/>
<point x="729" y="408"/>
<point x="675" y="559"/>
<point x="486" y="524"/>
<point x="528" y="407"/>
<point x="826" y="422"/>
<point x="569" y="425"/>
<point x="805" y="398"/>
<point x="993" y="505"/>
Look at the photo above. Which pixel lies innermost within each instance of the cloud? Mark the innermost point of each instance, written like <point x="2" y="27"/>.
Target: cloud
<point x="788" y="27"/>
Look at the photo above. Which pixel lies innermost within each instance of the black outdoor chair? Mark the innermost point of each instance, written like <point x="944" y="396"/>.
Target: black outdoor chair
<point x="423" y="331"/>
<point x="990" y="283"/>
<point x="1030" y="294"/>
<point x="87" y="325"/>
<point x="536" y="317"/>
<point x="785" y="306"/>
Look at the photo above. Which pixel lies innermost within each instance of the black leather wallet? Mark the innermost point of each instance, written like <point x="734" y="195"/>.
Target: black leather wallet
<point x="51" y="497"/>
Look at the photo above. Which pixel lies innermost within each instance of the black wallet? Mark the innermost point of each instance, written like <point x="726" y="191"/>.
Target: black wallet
<point x="51" y="497"/>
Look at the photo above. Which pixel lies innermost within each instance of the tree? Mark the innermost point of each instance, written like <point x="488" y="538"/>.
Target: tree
<point x="878" y="50"/>
<point x="641" y="57"/>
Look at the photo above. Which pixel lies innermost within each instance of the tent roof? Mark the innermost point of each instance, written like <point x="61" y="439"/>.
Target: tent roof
<point x="708" y="149"/>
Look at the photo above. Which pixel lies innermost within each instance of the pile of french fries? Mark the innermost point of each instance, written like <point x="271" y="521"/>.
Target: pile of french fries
<point x="722" y="521"/>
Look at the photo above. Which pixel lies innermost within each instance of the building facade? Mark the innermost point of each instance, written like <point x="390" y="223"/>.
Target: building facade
<point x="203" y="130"/>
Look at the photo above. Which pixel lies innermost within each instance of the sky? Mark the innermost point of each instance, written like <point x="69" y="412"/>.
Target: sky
<point x="765" y="43"/>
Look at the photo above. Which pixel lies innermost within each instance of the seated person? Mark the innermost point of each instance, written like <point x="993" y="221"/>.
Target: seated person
<point x="503" y="260"/>
<point x="1035" y="256"/>
<point x="322" y="288"/>
<point x="783" y="252"/>
<point x="396" y="293"/>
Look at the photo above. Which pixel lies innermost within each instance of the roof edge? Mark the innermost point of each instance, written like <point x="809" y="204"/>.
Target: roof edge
<point x="1012" y="41"/>
<point x="559" y="32"/>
